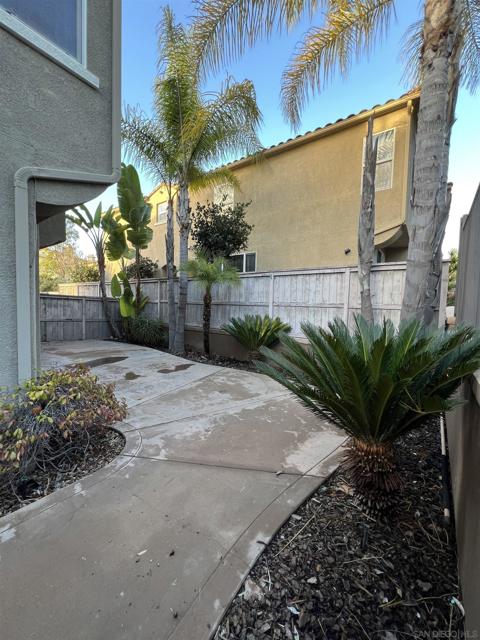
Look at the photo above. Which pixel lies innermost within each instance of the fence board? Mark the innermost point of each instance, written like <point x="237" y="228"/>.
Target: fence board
<point x="314" y="295"/>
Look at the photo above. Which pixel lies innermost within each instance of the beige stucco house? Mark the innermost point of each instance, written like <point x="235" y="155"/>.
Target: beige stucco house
<point x="305" y="193"/>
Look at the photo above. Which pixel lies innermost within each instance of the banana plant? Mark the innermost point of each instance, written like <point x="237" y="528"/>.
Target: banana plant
<point x="130" y="305"/>
<point x="135" y="216"/>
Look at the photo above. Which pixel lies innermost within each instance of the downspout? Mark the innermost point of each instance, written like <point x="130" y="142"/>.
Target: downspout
<point x="25" y="337"/>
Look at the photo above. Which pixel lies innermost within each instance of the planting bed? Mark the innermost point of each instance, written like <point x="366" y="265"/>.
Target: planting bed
<point x="103" y="447"/>
<point x="333" y="572"/>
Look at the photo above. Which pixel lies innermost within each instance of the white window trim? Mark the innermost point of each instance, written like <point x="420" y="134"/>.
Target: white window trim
<point x="244" y="254"/>
<point x="50" y="50"/>
<point x="376" y="133"/>
<point x="157" y="223"/>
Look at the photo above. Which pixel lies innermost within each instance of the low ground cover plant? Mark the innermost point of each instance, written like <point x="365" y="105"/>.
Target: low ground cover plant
<point x="48" y="422"/>
<point x="254" y="332"/>
<point x="148" y="332"/>
<point x="377" y="384"/>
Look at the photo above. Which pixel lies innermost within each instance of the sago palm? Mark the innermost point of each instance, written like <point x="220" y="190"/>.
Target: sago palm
<point x="446" y="46"/>
<point x="377" y="384"/>
<point x="191" y="131"/>
<point x="257" y="331"/>
<point x="207" y="274"/>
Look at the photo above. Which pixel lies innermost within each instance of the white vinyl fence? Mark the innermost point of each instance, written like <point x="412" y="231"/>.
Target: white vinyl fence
<point x="314" y="295"/>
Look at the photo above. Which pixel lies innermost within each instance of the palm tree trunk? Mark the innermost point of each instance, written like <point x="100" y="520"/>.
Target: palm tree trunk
<point x="183" y="217"/>
<point x="170" y="255"/>
<point x="430" y="198"/>
<point x="366" y="224"/>
<point x="207" y="312"/>
<point x="103" y="292"/>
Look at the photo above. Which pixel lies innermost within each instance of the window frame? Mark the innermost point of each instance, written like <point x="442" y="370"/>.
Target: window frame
<point x="39" y="42"/>
<point x="392" y="160"/>
<point x="157" y="221"/>
<point x="222" y="186"/>
<point x="244" y="255"/>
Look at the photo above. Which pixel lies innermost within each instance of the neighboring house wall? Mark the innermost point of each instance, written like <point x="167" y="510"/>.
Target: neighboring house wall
<point x="305" y="194"/>
<point x="463" y="427"/>
<point x="60" y="133"/>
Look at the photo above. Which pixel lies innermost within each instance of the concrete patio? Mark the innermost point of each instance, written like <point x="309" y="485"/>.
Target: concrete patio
<point x="155" y="545"/>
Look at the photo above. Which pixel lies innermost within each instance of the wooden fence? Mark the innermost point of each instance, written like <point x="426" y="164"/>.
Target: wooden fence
<point x="314" y="295"/>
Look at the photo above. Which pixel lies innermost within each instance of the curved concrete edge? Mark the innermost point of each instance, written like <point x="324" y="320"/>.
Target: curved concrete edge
<point x="206" y="612"/>
<point x="133" y="443"/>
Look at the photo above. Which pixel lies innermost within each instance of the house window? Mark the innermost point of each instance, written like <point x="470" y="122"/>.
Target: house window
<point x="62" y="22"/>
<point x="244" y="262"/>
<point x="223" y="194"/>
<point x="385" y="152"/>
<point x="162" y="208"/>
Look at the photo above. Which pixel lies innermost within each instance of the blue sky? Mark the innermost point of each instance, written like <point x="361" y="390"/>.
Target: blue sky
<point x="370" y="82"/>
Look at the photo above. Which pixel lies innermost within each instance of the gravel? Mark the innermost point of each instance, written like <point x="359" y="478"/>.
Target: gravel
<point x="101" y="450"/>
<point x="333" y="572"/>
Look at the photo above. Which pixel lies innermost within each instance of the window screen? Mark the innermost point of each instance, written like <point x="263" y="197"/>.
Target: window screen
<point x="237" y="262"/>
<point x="223" y="194"/>
<point x="58" y="20"/>
<point x="250" y="260"/>
<point x="162" y="212"/>
<point x="385" y="152"/>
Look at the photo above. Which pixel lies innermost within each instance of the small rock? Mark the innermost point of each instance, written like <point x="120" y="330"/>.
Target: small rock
<point x="312" y="580"/>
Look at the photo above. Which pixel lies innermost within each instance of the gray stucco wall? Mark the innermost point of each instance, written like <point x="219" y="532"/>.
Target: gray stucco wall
<point x="463" y="426"/>
<point x="51" y="121"/>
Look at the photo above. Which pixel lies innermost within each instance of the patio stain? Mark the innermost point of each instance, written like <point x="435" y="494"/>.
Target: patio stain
<point x="98" y="362"/>
<point x="178" y="367"/>
<point x="132" y="376"/>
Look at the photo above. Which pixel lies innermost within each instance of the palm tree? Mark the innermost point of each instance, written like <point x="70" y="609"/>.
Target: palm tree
<point x="207" y="274"/>
<point x="377" y="384"/>
<point x="191" y="132"/>
<point x="107" y="236"/>
<point x="446" y="42"/>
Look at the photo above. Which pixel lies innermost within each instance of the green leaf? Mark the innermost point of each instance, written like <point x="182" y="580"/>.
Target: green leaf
<point x="115" y="287"/>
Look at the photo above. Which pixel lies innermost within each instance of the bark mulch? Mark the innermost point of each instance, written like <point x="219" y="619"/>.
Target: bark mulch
<point x="101" y="450"/>
<point x="220" y="361"/>
<point x="332" y="572"/>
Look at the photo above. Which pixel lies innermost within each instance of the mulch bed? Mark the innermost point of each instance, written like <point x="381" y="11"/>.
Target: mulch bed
<point x="220" y="361"/>
<point x="332" y="572"/>
<point x="101" y="450"/>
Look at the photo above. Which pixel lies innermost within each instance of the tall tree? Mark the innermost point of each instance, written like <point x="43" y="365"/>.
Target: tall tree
<point x="220" y="231"/>
<point x="366" y="224"/>
<point x="195" y="130"/>
<point x="448" y="40"/>
<point x="209" y="273"/>
<point x="108" y="238"/>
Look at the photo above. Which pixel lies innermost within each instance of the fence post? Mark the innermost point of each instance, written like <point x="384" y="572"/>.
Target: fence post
<point x="270" y="295"/>
<point x="158" y="299"/>
<point x="84" y="320"/>
<point x="346" y="295"/>
<point x="442" y="302"/>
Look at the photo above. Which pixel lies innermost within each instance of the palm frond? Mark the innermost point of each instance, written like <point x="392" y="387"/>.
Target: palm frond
<point x="254" y="332"/>
<point x="352" y="28"/>
<point x="411" y="52"/>
<point x="147" y="146"/>
<point x="223" y="29"/>
<point x="376" y="383"/>
<point x="208" y="273"/>
<point x="470" y="57"/>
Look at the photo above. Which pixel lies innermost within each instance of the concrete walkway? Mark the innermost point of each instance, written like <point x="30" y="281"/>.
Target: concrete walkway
<point x="156" y="544"/>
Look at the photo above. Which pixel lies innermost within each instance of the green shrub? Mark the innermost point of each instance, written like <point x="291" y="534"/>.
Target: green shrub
<point x="148" y="332"/>
<point x="148" y="268"/>
<point x="49" y="421"/>
<point x="377" y="384"/>
<point x="254" y="332"/>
